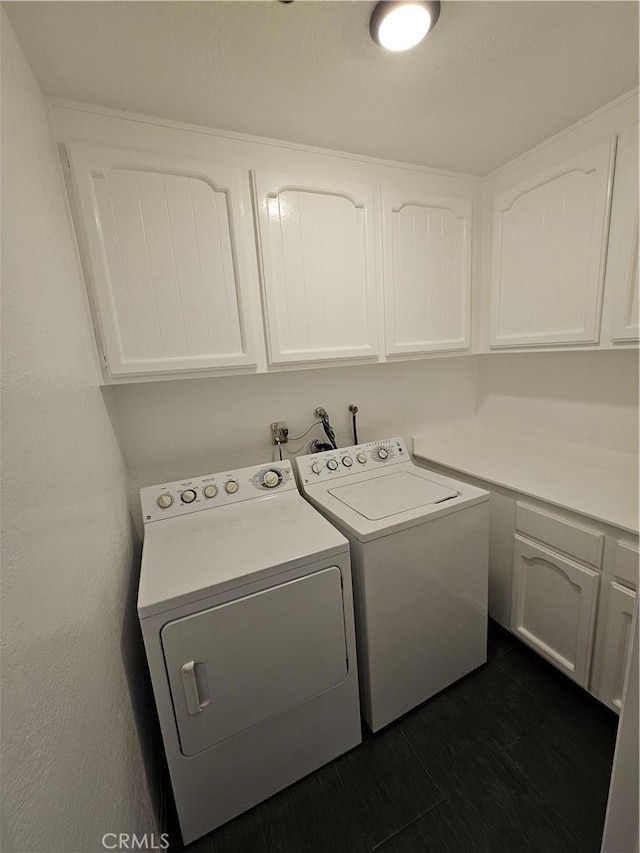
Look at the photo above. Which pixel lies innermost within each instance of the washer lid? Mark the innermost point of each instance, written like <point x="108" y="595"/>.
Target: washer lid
<point x="391" y="494"/>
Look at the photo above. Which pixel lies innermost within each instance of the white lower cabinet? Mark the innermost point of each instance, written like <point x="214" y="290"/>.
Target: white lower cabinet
<point x="573" y="596"/>
<point x="617" y="643"/>
<point x="564" y="584"/>
<point x="619" y="598"/>
<point x="554" y="606"/>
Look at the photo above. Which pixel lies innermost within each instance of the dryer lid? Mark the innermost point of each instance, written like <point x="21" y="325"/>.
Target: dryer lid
<point x="391" y="494"/>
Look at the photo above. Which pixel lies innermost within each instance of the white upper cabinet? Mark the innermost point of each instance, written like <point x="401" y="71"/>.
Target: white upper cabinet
<point x="427" y="272"/>
<point x="317" y="244"/>
<point x="627" y="327"/>
<point x="210" y="254"/>
<point x="166" y="242"/>
<point x="549" y="253"/>
<point x="621" y="292"/>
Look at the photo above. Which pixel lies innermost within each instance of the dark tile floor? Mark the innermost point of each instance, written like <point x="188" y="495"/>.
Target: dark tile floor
<point x="514" y="758"/>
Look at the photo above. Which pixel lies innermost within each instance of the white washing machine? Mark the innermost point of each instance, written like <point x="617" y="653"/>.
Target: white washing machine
<point x="245" y="603"/>
<point x="419" y="558"/>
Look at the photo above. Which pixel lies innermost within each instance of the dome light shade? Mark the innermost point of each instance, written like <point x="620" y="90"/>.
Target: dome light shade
<point x="396" y="25"/>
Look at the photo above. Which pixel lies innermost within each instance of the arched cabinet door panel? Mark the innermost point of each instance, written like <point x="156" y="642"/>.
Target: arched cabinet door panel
<point x="553" y="607"/>
<point x="427" y="272"/>
<point x="318" y="268"/>
<point x="549" y="253"/>
<point x="167" y="255"/>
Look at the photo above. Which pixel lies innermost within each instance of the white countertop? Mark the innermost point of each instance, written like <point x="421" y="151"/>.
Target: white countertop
<point x="599" y="484"/>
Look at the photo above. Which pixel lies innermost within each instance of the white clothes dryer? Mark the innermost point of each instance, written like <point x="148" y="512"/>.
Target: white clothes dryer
<point x="245" y="603"/>
<point x="419" y="557"/>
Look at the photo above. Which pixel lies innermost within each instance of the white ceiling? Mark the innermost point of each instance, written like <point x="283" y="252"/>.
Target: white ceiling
<point x="493" y="79"/>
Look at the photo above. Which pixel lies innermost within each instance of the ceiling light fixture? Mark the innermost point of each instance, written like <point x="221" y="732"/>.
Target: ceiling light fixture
<point x="398" y="26"/>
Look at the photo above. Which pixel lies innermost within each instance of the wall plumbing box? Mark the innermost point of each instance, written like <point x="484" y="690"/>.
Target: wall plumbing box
<point x="279" y="433"/>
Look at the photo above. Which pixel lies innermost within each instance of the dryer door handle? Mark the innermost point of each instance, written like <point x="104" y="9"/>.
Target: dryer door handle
<point x="190" y="687"/>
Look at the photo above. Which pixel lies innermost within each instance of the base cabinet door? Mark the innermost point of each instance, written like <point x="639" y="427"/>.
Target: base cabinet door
<point x="553" y="607"/>
<point x="617" y="644"/>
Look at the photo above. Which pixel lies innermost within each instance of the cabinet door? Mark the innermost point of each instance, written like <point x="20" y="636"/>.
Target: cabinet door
<point x="622" y="261"/>
<point x="168" y="259"/>
<point x="319" y="268"/>
<point x="617" y="644"/>
<point x="553" y="607"/>
<point x="549" y="252"/>
<point x="427" y="272"/>
<point x="626" y="327"/>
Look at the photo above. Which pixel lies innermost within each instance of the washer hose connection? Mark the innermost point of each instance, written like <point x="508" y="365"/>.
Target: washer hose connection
<point x="322" y="415"/>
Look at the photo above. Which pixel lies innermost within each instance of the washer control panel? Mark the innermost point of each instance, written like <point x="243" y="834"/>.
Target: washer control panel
<point x="213" y="490"/>
<point x="331" y="464"/>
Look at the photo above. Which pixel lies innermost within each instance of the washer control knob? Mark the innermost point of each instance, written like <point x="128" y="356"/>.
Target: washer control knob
<point x="382" y="453"/>
<point x="210" y="491"/>
<point x="231" y="487"/>
<point x="332" y="464"/>
<point x="271" y="479"/>
<point x="188" y="496"/>
<point x="164" y="501"/>
<point x="347" y="461"/>
<point x="316" y="467"/>
<point x="362" y="458"/>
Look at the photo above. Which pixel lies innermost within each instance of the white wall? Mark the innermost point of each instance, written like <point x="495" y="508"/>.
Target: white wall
<point x="72" y="766"/>
<point x="588" y="398"/>
<point x="170" y="430"/>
